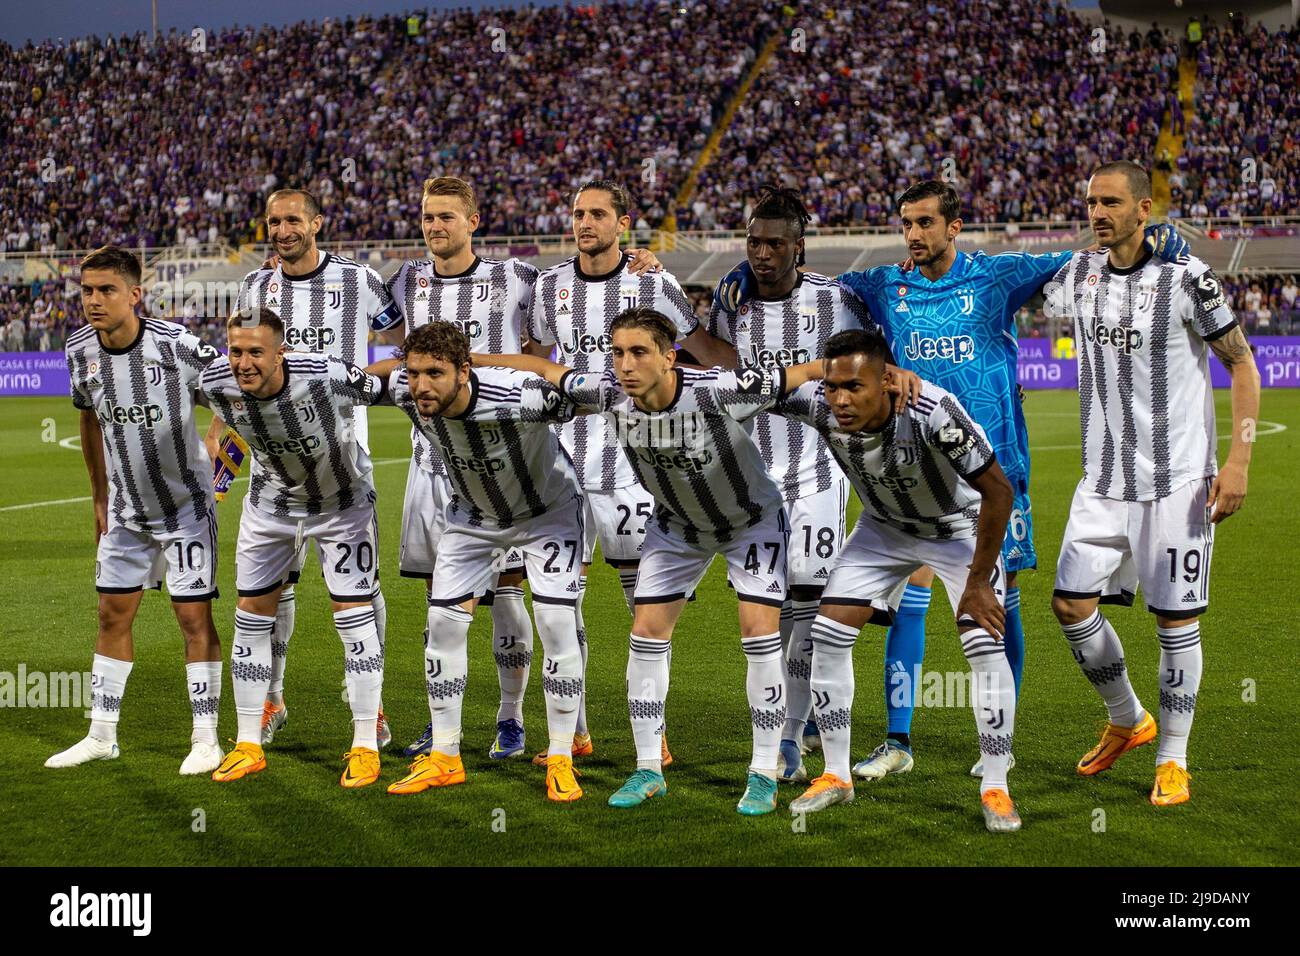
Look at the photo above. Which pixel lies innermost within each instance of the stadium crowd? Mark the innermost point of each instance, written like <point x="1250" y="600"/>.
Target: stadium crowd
<point x="1243" y="138"/>
<point x="1020" y="100"/>
<point x="1016" y="101"/>
<point x="526" y="103"/>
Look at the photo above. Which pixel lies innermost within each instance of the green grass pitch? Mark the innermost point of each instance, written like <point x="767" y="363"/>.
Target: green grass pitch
<point x="138" y="811"/>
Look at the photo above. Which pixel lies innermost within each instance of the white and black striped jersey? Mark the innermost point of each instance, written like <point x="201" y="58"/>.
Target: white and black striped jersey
<point x="503" y="458"/>
<point x="783" y="332"/>
<point x="329" y="310"/>
<point x="306" y="457"/>
<point x="1146" y="407"/>
<point x="573" y="311"/>
<point x="489" y="302"/>
<point x="914" y="473"/>
<point x="159" y="473"/>
<point x="697" y="457"/>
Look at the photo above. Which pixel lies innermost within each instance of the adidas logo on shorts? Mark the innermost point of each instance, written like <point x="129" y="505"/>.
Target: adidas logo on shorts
<point x="198" y="586"/>
<point x="363" y="583"/>
<point x="822" y="573"/>
<point x="573" y="586"/>
<point x="774" y="588"/>
<point x="1190" y="596"/>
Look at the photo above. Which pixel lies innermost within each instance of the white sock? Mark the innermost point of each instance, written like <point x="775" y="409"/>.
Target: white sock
<point x="381" y="629"/>
<point x="1100" y="656"/>
<point x="1180" y="681"/>
<point x="993" y="700"/>
<point x="108" y="686"/>
<point x="446" y="667"/>
<point x="512" y="647"/>
<point x="562" y="680"/>
<point x="647" y="692"/>
<point x="581" y="726"/>
<point x="363" y="671"/>
<point x="284" y="617"/>
<point x="250" y="672"/>
<point x="831" y="688"/>
<point x="798" y="668"/>
<point x="765" y="689"/>
<point x="627" y="578"/>
<point x="204" y="681"/>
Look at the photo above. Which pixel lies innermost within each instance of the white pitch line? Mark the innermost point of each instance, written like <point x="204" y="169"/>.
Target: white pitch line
<point x="76" y="501"/>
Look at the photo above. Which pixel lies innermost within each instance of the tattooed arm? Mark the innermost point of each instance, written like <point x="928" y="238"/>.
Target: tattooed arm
<point x="1229" y="488"/>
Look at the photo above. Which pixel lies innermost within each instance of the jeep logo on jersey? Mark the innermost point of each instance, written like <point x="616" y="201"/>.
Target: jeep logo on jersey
<point x="1126" y="340"/>
<point x="146" y="415"/>
<point x="472" y="328"/>
<point x="477" y="466"/>
<point x="588" y="344"/>
<point x="955" y="348"/>
<point x="681" y="461"/>
<point x="309" y="339"/>
<point x="771" y="358"/>
<point x="891" y="482"/>
<point x="288" y="446"/>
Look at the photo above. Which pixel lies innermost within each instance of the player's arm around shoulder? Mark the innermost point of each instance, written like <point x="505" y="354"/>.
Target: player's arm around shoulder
<point x="537" y="365"/>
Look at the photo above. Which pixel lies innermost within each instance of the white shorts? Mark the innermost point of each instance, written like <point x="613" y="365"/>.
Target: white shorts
<point x="757" y="562"/>
<point x="347" y="542"/>
<point x="469" y="559"/>
<point x="816" y="533"/>
<point x="877" y="560"/>
<point x="1113" y="547"/>
<point x="617" y="519"/>
<point x="128" y="561"/>
<point x="424" y="516"/>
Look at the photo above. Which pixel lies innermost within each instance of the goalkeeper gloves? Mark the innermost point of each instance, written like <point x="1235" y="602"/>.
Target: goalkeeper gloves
<point x="735" y="289"/>
<point x="1165" y="243"/>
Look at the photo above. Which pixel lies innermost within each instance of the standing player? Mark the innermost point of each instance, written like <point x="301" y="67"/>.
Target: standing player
<point x="949" y="316"/>
<point x="932" y="494"/>
<point x="513" y="488"/>
<point x="686" y="436"/>
<point x="1151" y="493"/>
<point x="310" y="481"/>
<point x="573" y="306"/>
<point x="488" y="300"/>
<point x="788" y="322"/>
<point x="328" y="304"/>
<point x="134" y="381"/>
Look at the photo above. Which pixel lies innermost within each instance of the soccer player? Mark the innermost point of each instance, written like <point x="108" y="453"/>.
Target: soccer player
<point x="932" y="495"/>
<point x="310" y="481"/>
<point x="514" y="487"/>
<point x="134" y="381"/>
<point x="686" y="436"/>
<point x="788" y="322"/>
<point x="573" y="305"/>
<point x="328" y="304"/>
<point x="949" y="316"/>
<point x="1151" y="493"/>
<point x="488" y="300"/>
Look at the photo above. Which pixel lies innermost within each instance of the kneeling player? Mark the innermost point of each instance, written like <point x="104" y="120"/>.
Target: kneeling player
<point x="513" y="488"/>
<point x="933" y="494"/>
<point x="134" y="382"/>
<point x="311" y="480"/>
<point x="685" y="434"/>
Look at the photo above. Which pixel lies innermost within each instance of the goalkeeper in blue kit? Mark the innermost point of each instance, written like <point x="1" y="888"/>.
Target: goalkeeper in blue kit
<point x="949" y="317"/>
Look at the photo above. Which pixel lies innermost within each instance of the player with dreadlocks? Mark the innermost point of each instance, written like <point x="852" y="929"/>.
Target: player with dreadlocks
<point x="785" y="323"/>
